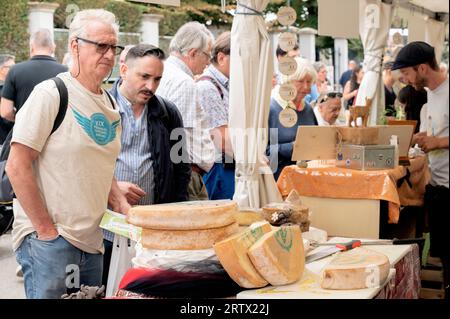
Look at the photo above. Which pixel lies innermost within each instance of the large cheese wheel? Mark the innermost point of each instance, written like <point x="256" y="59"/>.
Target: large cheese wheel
<point x="279" y="255"/>
<point x="184" y="215"/>
<point x="358" y="268"/>
<point x="232" y="253"/>
<point x="185" y="239"/>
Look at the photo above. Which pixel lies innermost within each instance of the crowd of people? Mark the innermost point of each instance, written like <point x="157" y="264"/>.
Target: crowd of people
<point x="160" y="134"/>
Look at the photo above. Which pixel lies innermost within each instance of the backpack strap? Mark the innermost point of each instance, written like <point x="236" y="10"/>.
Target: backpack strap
<point x="213" y="81"/>
<point x="110" y="99"/>
<point x="63" y="102"/>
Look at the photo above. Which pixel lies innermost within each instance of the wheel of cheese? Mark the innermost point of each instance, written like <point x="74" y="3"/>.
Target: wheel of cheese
<point x="358" y="268"/>
<point x="184" y="215"/>
<point x="232" y="254"/>
<point x="186" y="239"/>
<point x="279" y="255"/>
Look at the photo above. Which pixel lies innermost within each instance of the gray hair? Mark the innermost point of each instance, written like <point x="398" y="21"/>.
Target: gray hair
<point x="5" y="58"/>
<point x="42" y="39"/>
<point x="319" y="66"/>
<point x="192" y="35"/>
<point x="80" y="23"/>
<point x="304" y="68"/>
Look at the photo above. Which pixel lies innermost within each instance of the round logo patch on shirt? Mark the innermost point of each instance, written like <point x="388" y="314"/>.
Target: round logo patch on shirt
<point x="97" y="127"/>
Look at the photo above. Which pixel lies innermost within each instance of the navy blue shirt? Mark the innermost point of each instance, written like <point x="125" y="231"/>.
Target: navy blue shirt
<point x="282" y="145"/>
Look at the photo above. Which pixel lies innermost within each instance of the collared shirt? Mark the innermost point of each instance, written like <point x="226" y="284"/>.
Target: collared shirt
<point x="215" y="106"/>
<point x="178" y="86"/>
<point x="134" y="163"/>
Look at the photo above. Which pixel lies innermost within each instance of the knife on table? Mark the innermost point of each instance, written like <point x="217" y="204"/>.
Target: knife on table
<point x="331" y="250"/>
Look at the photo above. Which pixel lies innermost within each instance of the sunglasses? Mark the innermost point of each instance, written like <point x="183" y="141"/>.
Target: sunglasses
<point x="330" y="95"/>
<point x="102" y="48"/>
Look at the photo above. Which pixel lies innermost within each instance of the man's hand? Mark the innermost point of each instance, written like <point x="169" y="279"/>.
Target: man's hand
<point x="49" y="233"/>
<point x="429" y="143"/>
<point x="117" y="200"/>
<point x="132" y="192"/>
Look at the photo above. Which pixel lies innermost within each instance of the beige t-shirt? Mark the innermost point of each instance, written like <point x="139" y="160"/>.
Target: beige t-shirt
<point x="75" y="167"/>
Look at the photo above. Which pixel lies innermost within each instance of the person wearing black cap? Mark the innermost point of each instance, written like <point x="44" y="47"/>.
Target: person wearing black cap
<point x="417" y="63"/>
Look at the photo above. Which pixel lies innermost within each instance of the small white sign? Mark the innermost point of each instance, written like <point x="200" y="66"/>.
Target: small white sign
<point x="288" y="117"/>
<point x="287" y="41"/>
<point x="287" y="65"/>
<point x="288" y="91"/>
<point x="286" y="16"/>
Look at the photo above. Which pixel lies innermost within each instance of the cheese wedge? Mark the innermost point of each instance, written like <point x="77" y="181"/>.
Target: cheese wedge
<point x="232" y="254"/>
<point x="184" y="215"/>
<point x="358" y="268"/>
<point x="246" y="218"/>
<point x="185" y="239"/>
<point x="279" y="255"/>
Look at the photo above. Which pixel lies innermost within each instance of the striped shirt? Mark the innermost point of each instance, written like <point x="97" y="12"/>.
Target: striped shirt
<point x="134" y="163"/>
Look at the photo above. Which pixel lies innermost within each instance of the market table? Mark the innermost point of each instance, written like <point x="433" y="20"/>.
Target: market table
<point x="346" y="202"/>
<point x="403" y="281"/>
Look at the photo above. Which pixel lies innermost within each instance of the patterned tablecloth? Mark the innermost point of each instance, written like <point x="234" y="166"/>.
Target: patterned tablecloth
<point x="403" y="284"/>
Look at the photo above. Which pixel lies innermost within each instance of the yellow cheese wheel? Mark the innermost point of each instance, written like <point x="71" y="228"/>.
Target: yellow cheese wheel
<point x="279" y="255"/>
<point x="232" y="253"/>
<point x="358" y="268"/>
<point x="185" y="239"/>
<point x="184" y="215"/>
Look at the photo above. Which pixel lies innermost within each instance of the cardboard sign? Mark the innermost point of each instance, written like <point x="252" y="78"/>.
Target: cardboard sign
<point x="319" y="142"/>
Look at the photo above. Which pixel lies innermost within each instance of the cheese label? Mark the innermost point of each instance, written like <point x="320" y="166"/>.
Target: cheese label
<point x="284" y="238"/>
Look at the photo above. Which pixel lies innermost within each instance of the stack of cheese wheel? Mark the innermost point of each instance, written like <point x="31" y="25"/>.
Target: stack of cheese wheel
<point x="263" y="254"/>
<point x="186" y="225"/>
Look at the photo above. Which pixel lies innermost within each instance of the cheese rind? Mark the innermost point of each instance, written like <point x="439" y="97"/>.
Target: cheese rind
<point x="184" y="215"/>
<point x="185" y="239"/>
<point x="232" y="254"/>
<point x="358" y="268"/>
<point x="279" y="255"/>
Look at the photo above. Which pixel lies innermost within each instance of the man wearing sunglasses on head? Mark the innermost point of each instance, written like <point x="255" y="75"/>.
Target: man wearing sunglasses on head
<point x="63" y="178"/>
<point x="328" y="108"/>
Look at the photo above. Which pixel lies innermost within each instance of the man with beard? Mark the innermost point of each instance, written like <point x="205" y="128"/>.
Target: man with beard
<point x="145" y="171"/>
<point x="417" y="63"/>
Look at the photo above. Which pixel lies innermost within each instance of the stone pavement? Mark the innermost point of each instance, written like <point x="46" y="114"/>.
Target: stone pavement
<point x="11" y="286"/>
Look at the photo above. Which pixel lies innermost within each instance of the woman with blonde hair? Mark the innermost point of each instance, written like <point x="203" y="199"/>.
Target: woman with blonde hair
<point x="286" y="116"/>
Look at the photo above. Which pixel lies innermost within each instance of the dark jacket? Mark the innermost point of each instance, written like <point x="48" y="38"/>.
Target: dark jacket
<point x="171" y="179"/>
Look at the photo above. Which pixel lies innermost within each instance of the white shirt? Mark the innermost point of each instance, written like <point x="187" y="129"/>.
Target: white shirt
<point x="178" y="86"/>
<point x="75" y="166"/>
<point x="434" y="121"/>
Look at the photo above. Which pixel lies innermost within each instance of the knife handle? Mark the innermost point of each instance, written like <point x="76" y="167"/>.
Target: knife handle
<point x="350" y="245"/>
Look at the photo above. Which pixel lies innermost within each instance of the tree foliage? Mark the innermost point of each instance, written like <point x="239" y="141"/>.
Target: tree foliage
<point x="13" y="28"/>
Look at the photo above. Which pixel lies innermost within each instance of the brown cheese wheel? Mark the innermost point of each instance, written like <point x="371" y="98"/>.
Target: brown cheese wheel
<point x="186" y="239"/>
<point x="185" y="215"/>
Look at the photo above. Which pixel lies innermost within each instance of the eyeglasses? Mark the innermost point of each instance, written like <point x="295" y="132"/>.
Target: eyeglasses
<point x="102" y="48"/>
<point x="208" y="55"/>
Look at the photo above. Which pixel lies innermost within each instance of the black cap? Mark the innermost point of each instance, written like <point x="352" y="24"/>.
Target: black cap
<point x="412" y="54"/>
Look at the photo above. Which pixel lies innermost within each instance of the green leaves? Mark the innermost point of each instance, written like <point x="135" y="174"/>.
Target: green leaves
<point x="13" y="28"/>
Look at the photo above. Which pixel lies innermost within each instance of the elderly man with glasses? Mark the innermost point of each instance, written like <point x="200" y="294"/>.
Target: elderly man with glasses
<point x="190" y="53"/>
<point x="328" y="108"/>
<point x="63" y="178"/>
